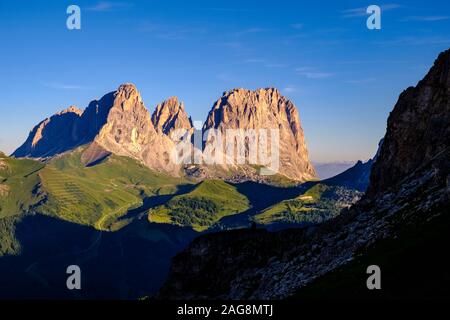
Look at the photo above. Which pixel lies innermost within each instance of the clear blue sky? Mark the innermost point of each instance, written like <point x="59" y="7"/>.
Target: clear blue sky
<point x="343" y="78"/>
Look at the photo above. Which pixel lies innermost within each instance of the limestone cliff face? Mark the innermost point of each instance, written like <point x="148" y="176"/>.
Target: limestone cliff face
<point x="117" y="123"/>
<point x="265" y="109"/>
<point x="170" y="115"/>
<point x="120" y="123"/>
<point x="417" y="130"/>
<point x="129" y="132"/>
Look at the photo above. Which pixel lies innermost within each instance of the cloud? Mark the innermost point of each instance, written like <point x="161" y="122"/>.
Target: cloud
<point x="360" y="81"/>
<point x="349" y="62"/>
<point x="275" y="65"/>
<point x="63" y="86"/>
<point x="311" y="73"/>
<point x="104" y="6"/>
<point x="254" y="61"/>
<point x="415" y="41"/>
<point x="225" y="76"/>
<point x="169" y="32"/>
<point x="297" y="25"/>
<point x="362" y="11"/>
<point x="226" y="9"/>
<point x="178" y="34"/>
<point x="230" y="44"/>
<point x="425" y="18"/>
<point x="250" y="31"/>
<point x="290" y="89"/>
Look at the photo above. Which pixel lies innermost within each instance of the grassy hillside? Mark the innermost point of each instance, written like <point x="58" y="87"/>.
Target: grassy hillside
<point x="100" y="194"/>
<point x="317" y="204"/>
<point x="19" y="181"/>
<point x="202" y="207"/>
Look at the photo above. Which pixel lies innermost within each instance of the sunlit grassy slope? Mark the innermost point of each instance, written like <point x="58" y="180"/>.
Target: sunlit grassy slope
<point x="317" y="204"/>
<point x="19" y="183"/>
<point x="100" y="194"/>
<point x="202" y="207"/>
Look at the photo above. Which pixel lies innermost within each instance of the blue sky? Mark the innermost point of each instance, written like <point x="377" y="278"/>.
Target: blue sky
<point x="343" y="78"/>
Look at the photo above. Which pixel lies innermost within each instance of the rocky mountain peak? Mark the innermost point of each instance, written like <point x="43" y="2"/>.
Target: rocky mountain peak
<point x="129" y="131"/>
<point x="266" y="109"/>
<point x="128" y="98"/>
<point x="170" y="115"/>
<point x="120" y="123"/>
<point x="71" y="109"/>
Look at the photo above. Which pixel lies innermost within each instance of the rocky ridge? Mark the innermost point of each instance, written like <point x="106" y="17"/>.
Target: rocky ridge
<point x="120" y="123"/>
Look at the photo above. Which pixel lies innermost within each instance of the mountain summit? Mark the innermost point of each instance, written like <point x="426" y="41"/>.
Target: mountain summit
<point x="119" y="123"/>
<point x="129" y="132"/>
<point x="170" y="115"/>
<point x="266" y="109"/>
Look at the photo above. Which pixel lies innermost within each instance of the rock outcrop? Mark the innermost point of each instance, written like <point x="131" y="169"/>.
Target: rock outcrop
<point x="265" y="109"/>
<point x="417" y="130"/>
<point x="403" y="219"/>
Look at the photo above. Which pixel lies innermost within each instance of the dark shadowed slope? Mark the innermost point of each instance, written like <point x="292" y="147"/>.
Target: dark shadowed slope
<point x="404" y="213"/>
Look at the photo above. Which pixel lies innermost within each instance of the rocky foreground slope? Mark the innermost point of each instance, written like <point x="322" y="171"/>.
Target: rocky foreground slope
<point x="401" y="224"/>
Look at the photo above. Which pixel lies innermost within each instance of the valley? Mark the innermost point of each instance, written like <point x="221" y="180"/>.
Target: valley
<point x="104" y="216"/>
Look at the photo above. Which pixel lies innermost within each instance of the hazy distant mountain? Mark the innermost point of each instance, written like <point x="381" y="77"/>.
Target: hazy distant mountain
<point x="356" y="177"/>
<point x="327" y="170"/>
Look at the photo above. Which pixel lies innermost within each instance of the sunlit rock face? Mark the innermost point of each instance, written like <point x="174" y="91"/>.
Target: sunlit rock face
<point x="265" y="109"/>
<point x="169" y="116"/>
<point x="129" y="131"/>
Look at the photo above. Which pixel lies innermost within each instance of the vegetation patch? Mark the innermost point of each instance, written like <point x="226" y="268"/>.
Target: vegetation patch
<point x="317" y="204"/>
<point x="99" y="195"/>
<point x="202" y="207"/>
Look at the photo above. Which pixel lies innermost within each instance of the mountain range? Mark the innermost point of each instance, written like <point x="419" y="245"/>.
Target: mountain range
<point x="87" y="184"/>
<point x="99" y="188"/>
